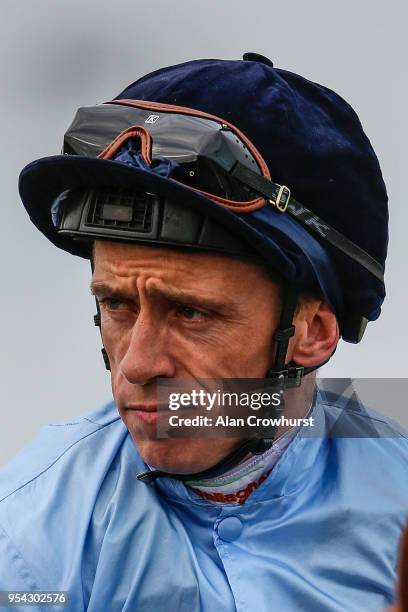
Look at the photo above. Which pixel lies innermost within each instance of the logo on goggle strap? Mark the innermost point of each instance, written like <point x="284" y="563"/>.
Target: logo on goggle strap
<point x="152" y="118"/>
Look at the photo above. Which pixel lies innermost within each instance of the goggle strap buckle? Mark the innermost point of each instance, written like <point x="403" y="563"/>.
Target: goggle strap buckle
<point x="277" y="195"/>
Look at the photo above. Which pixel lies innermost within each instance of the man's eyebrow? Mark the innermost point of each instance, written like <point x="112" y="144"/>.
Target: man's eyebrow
<point x="100" y="289"/>
<point x="181" y="296"/>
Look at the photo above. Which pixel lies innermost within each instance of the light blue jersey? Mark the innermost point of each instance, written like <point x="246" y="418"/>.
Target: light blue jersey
<point x="320" y="534"/>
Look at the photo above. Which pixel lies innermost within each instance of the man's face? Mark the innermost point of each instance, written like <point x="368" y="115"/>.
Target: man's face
<point x="168" y="313"/>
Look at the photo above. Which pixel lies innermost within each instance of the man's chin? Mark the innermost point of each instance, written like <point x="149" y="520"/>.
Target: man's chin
<point x="180" y="456"/>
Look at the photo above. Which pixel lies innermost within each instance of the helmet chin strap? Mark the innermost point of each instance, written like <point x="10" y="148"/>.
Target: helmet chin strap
<point x="285" y="376"/>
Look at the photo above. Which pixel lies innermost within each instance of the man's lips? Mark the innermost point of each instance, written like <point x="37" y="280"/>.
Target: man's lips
<point x="145" y="412"/>
<point x="150" y="413"/>
<point x="142" y="407"/>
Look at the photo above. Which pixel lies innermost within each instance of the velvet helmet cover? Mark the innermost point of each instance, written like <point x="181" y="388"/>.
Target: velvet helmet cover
<point x="311" y="140"/>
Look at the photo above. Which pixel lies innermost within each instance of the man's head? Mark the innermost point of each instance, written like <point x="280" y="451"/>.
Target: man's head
<point x="227" y="157"/>
<point x="179" y="314"/>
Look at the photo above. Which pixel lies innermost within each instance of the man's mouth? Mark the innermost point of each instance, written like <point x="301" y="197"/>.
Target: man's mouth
<point x="148" y="413"/>
<point x="142" y="407"/>
<point x="151" y="413"/>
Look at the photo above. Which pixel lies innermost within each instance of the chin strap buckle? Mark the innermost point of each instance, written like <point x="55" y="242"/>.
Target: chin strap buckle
<point x="290" y="376"/>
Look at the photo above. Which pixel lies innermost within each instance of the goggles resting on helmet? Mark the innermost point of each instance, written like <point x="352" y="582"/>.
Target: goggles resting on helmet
<point x="201" y="151"/>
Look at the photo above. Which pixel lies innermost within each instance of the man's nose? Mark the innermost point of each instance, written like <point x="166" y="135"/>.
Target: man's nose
<point x="147" y="355"/>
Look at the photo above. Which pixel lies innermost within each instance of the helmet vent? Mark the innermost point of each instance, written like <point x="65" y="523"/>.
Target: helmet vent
<point x="121" y="209"/>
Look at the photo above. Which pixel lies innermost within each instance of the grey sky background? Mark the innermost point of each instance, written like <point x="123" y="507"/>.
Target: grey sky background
<point x="56" y="56"/>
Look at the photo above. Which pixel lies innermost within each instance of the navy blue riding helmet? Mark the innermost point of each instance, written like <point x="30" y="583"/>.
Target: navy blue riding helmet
<point x="232" y="156"/>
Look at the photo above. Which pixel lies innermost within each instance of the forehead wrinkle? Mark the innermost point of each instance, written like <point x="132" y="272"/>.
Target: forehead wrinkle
<point x="210" y="287"/>
<point x="156" y="287"/>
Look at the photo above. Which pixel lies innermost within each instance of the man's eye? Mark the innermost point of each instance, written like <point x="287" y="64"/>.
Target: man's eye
<point x="112" y="304"/>
<point x="190" y="313"/>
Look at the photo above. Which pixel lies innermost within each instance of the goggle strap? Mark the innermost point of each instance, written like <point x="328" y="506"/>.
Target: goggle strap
<point x="273" y="193"/>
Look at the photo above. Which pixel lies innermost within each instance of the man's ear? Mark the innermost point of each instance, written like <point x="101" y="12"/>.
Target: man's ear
<point x="317" y="333"/>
